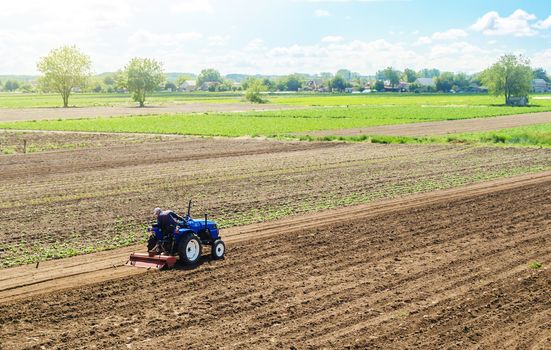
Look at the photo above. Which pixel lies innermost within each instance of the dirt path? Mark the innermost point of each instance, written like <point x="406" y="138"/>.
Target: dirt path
<point x="443" y="127"/>
<point x="18" y="114"/>
<point x="446" y="270"/>
<point x="54" y="275"/>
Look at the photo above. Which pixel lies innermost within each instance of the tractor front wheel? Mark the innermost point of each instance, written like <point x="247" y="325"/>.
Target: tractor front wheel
<point x="218" y="249"/>
<point x="189" y="249"/>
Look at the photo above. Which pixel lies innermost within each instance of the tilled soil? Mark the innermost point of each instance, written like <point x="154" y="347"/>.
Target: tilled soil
<point x="448" y="273"/>
<point x="56" y="204"/>
<point x="32" y="142"/>
<point x="442" y="127"/>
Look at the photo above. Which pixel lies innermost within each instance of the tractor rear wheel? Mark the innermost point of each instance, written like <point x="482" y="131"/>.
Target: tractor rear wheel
<point x="189" y="249"/>
<point x="151" y="242"/>
<point x="218" y="249"/>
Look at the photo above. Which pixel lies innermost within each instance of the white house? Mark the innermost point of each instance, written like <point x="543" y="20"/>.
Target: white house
<point x="425" y="82"/>
<point x="188" y="85"/>
<point x="540" y="85"/>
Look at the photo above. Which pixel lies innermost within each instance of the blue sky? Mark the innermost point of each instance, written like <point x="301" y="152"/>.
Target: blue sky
<point x="277" y="37"/>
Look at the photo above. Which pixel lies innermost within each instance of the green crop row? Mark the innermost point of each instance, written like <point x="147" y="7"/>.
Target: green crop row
<point x="271" y="123"/>
<point x="532" y="135"/>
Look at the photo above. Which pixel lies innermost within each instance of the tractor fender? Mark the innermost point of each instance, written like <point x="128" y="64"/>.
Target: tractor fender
<point x="182" y="233"/>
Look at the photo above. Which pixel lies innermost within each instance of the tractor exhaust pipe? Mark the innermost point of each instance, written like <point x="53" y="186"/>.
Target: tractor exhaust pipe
<point x="206" y="215"/>
<point x="189" y="209"/>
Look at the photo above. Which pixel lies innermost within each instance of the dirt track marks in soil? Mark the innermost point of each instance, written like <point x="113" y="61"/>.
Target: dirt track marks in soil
<point x="442" y="127"/>
<point x="447" y="273"/>
<point x="90" y="199"/>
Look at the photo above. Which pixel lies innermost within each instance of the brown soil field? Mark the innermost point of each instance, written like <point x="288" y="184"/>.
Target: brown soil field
<point x="15" y="142"/>
<point x="448" y="269"/>
<point x="442" y="127"/>
<point x="18" y="114"/>
<point x="62" y="203"/>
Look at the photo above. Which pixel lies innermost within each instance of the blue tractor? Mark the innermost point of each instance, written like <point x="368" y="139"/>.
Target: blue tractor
<point x="184" y="244"/>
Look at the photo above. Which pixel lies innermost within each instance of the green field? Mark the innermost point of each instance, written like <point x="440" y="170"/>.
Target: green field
<point x="534" y="135"/>
<point x="332" y="112"/>
<point x="272" y="123"/>
<point x="20" y="100"/>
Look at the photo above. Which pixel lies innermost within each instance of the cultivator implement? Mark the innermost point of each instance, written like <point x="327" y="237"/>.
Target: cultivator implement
<point x="185" y="244"/>
<point x="152" y="260"/>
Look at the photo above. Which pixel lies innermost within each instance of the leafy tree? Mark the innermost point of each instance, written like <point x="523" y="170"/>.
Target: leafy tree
<point x="510" y="76"/>
<point x="294" y="82"/>
<point x="64" y="69"/>
<point x="269" y="84"/>
<point x="409" y="75"/>
<point x="109" y="80"/>
<point x="11" y="85"/>
<point x="141" y="76"/>
<point x="170" y="86"/>
<point x="339" y="83"/>
<point x="345" y="74"/>
<point x="445" y="82"/>
<point x="254" y="89"/>
<point x="379" y="85"/>
<point x="209" y="76"/>
<point x="540" y="73"/>
<point x="393" y="76"/>
<point x="26" y="87"/>
<point x="461" y="81"/>
<point x="428" y="73"/>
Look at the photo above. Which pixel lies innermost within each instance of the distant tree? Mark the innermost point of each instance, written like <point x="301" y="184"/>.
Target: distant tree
<point x="95" y="84"/>
<point x="245" y="83"/>
<point x="64" y="69"/>
<point x="269" y="84"/>
<point x="428" y="73"/>
<point x="26" y="87"/>
<point x="209" y="76"/>
<point x="293" y="82"/>
<point x="11" y="85"/>
<point x="141" y="76"/>
<point x="254" y="90"/>
<point x="379" y="85"/>
<point x="540" y="73"/>
<point x="170" y="86"/>
<point x="109" y="80"/>
<point x="461" y="81"/>
<point x="345" y="74"/>
<point x="444" y="82"/>
<point x="338" y="83"/>
<point x="409" y="75"/>
<point x="393" y="76"/>
<point x="510" y="76"/>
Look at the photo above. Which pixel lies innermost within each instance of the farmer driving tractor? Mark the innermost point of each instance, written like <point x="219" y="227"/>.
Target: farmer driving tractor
<point x="167" y="220"/>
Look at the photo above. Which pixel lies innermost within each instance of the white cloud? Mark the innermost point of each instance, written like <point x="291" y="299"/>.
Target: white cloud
<point x="546" y="23"/>
<point x="322" y="13"/>
<point x="192" y="6"/>
<point x="332" y="39"/>
<point x="147" y="38"/>
<point x="517" y="24"/>
<point x="218" y="40"/>
<point x="451" y="34"/>
<point x="424" y="40"/>
<point x="542" y="59"/>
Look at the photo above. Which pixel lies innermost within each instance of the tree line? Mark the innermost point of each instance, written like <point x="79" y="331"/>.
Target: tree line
<point x="66" y="69"/>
